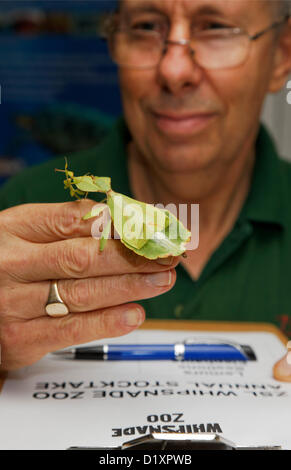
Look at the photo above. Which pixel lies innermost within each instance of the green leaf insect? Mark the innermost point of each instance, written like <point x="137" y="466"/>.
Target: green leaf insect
<point x="82" y="185"/>
<point x="143" y="228"/>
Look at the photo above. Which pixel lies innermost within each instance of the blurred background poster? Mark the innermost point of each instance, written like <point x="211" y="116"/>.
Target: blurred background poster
<point x="59" y="90"/>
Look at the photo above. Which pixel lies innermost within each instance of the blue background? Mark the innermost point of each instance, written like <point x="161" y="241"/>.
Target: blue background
<point x="59" y="92"/>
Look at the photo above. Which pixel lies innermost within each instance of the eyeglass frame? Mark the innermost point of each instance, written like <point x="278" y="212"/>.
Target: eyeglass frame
<point x="108" y="28"/>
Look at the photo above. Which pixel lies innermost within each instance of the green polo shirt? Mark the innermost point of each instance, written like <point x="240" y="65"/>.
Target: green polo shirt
<point x="248" y="277"/>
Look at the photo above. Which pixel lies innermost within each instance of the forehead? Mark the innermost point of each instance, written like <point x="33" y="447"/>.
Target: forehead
<point x="171" y="7"/>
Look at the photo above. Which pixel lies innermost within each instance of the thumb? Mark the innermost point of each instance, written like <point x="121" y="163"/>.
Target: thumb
<point x="282" y="368"/>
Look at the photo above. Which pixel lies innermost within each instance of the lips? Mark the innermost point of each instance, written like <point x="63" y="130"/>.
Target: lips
<point x="182" y="124"/>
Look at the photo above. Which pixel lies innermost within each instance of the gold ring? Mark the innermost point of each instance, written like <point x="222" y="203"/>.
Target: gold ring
<point x="55" y="307"/>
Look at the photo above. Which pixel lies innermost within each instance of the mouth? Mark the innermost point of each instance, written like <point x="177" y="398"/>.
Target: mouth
<point x="182" y="124"/>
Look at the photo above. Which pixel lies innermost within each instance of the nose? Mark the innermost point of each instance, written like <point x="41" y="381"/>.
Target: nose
<point x="178" y="71"/>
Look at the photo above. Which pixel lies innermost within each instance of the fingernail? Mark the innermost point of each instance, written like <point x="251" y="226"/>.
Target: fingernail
<point x="162" y="279"/>
<point x="165" y="261"/>
<point x="133" y="317"/>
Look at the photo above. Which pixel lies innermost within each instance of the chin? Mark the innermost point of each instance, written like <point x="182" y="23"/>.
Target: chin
<point x="177" y="160"/>
<point x="185" y="154"/>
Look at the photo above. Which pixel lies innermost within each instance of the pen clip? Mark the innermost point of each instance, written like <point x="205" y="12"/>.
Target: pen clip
<point x="207" y="340"/>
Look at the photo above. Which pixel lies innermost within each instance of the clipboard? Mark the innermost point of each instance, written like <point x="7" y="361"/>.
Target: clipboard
<point x="154" y="438"/>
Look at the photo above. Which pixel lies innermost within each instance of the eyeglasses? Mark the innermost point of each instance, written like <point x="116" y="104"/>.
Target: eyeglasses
<point x="142" y="47"/>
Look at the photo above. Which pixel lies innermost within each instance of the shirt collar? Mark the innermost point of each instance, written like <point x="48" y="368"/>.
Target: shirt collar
<point x="265" y="201"/>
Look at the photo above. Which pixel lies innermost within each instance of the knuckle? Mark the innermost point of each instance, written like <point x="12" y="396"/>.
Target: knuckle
<point x="104" y="324"/>
<point x="8" y="217"/>
<point x="107" y="286"/>
<point x="75" y="258"/>
<point x="6" y="251"/>
<point x="14" y="258"/>
<point x="79" y="293"/>
<point x="67" y="221"/>
<point x="126" y="284"/>
<point x="72" y="329"/>
<point x="109" y="322"/>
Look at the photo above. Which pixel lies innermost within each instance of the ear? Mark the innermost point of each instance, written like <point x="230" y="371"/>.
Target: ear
<point x="282" y="60"/>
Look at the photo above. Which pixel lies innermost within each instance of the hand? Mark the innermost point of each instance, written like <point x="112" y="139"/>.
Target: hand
<point x="282" y="368"/>
<point x="40" y="242"/>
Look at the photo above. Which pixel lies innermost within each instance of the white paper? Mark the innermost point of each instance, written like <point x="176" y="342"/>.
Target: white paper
<point x="58" y="403"/>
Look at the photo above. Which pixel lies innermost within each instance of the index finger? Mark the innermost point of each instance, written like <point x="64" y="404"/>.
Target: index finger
<point x="44" y="223"/>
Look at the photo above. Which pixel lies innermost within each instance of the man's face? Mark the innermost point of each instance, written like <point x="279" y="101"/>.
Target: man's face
<point x="182" y="116"/>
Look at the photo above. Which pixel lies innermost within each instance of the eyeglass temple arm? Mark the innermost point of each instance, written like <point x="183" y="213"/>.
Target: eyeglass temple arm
<point x="269" y="28"/>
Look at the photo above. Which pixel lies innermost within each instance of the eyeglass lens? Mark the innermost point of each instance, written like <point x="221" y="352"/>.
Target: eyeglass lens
<point x="211" y="49"/>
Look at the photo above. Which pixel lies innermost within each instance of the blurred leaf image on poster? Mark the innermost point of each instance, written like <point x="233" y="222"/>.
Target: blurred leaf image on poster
<point x="59" y="89"/>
